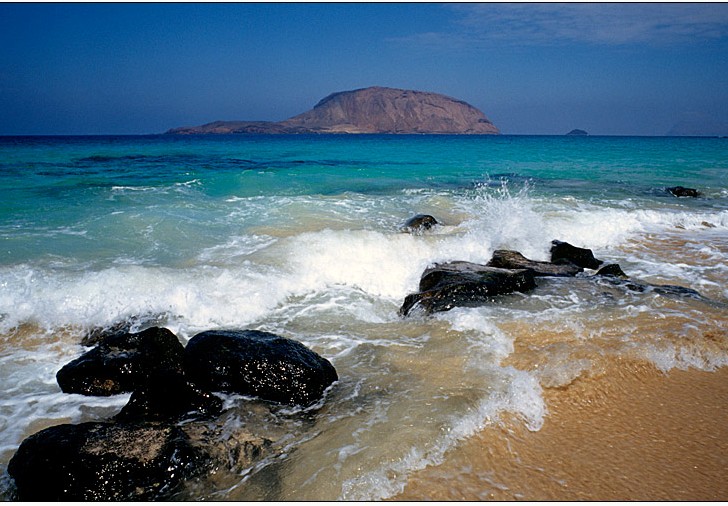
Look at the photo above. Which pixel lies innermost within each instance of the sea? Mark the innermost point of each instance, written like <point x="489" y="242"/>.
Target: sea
<point x="302" y="236"/>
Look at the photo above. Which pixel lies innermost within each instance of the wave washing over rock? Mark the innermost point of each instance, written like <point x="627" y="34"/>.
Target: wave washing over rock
<point x="374" y="110"/>
<point x="312" y="238"/>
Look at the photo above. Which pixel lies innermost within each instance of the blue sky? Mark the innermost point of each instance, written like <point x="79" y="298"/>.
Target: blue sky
<point x="543" y="68"/>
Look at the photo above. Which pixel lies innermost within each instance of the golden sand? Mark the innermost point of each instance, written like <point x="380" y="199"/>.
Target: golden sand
<point x="632" y="433"/>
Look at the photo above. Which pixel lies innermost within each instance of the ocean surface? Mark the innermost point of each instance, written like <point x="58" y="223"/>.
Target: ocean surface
<point x="301" y="236"/>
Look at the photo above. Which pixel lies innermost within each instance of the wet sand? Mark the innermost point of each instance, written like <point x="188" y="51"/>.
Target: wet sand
<point x="630" y="433"/>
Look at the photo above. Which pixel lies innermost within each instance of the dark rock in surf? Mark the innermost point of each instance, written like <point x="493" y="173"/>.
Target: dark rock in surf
<point x="676" y="291"/>
<point x="563" y="252"/>
<point x="169" y="396"/>
<point x="98" y="461"/>
<point x="139" y="322"/>
<point x="122" y="363"/>
<point x="507" y="259"/>
<point x="672" y="291"/>
<point x="612" y="270"/>
<point x="681" y="191"/>
<point x="445" y="286"/>
<point x="259" y="364"/>
<point x="419" y="223"/>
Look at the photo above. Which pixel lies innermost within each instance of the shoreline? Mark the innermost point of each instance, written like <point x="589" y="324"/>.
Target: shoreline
<point x="632" y="433"/>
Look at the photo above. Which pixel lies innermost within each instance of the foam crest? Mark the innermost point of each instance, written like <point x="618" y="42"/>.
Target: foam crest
<point x="528" y="224"/>
<point x="203" y="296"/>
<point x="385" y="265"/>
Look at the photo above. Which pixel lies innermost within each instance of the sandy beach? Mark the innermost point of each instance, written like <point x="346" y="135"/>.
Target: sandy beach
<point x="632" y="433"/>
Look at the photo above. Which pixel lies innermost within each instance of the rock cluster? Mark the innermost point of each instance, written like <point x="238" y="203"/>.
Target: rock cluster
<point x="465" y="284"/>
<point x="166" y="433"/>
<point x="171" y="430"/>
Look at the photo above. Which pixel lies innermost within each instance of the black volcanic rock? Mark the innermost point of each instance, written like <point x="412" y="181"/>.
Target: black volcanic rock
<point x="563" y="252"/>
<point x="97" y="461"/>
<point x="681" y="191"/>
<point x="368" y="110"/>
<point x="122" y="363"/>
<point x="506" y="259"/>
<point x="464" y="284"/>
<point x="419" y="223"/>
<point x="259" y="364"/>
<point x="128" y="461"/>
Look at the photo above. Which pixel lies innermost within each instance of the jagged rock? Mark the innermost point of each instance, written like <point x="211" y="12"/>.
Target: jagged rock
<point x="368" y="110"/>
<point x="563" y="252"/>
<point x="260" y="364"/>
<point x="419" y="223"/>
<point x="445" y="286"/>
<point x="122" y="363"/>
<point x="507" y="259"/>
<point x="612" y="270"/>
<point x="680" y="191"/>
<point x="98" y="461"/>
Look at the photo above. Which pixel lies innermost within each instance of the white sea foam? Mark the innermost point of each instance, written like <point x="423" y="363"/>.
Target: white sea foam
<point x="521" y="395"/>
<point x="332" y="272"/>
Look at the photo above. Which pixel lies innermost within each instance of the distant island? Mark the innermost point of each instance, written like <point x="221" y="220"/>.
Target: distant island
<point x="576" y="131"/>
<point x="374" y="110"/>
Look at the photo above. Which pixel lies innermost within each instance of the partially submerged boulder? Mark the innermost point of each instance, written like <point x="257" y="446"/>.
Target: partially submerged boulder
<point x="259" y="364"/>
<point x="445" y="286"/>
<point x="122" y="363"/>
<point x="97" y="461"/>
<point x="681" y="191"/>
<point x="564" y="253"/>
<point x="507" y="259"/>
<point x="419" y="223"/>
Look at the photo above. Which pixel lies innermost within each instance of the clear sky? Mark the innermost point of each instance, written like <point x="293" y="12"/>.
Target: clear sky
<point x="543" y="68"/>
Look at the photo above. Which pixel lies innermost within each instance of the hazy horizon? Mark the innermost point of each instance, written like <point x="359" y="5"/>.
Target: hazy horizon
<point x="123" y="68"/>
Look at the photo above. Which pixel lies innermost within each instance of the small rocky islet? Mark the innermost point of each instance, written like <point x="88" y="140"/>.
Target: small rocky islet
<point x="172" y="430"/>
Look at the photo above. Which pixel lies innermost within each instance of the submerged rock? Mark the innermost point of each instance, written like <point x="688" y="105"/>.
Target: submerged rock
<point x="681" y="191"/>
<point x="419" y="223"/>
<point x="97" y="461"/>
<point x="259" y="364"/>
<point x="673" y="291"/>
<point x="122" y="363"/>
<point x="563" y="252"/>
<point x="507" y="259"/>
<point x="445" y="286"/>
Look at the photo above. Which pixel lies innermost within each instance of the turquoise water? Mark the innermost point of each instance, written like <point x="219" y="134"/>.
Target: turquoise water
<point x="300" y="235"/>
